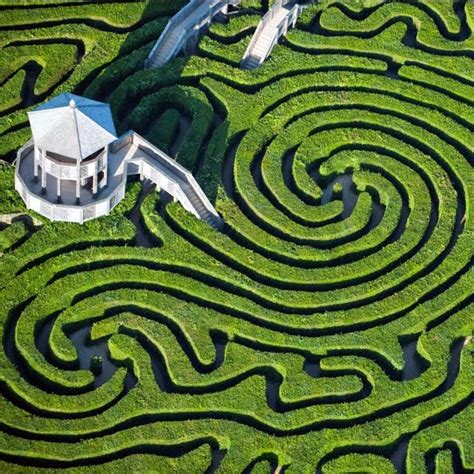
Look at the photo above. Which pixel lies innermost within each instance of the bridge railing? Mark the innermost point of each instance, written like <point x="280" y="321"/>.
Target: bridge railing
<point x="62" y="212"/>
<point x="280" y="28"/>
<point x="175" y="20"/>
<point x="175" y="168"/>
<point x="186" y="12"/>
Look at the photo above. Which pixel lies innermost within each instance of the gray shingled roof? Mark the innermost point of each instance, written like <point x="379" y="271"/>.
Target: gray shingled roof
<point x="72" y="126"/>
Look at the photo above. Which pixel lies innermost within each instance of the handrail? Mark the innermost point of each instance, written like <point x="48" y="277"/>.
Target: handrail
<point x="175" y="20"/>
<point x="175" y="167"/>
<point x="261" y="26"/>
<point x="49" y="209"/>
<point x="256" y="36"/>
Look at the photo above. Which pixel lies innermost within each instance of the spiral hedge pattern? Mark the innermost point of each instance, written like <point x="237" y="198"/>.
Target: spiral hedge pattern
<point x="327" y="327"/>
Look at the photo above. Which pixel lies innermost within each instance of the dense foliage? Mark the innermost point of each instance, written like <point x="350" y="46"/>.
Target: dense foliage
<point x="327" y="327"/>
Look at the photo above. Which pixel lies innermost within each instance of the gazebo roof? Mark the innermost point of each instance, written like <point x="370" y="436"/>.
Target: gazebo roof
<point x="72" y="126"/>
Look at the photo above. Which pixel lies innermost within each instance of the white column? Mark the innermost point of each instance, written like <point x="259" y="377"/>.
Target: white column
<point x="106" y="165"/>
<point x="94" y="183"/>
<point x="59" y="187"/>
<point x="43" y="170"/>
<point x="78" y="181"/>
<point x="37" y="159"/>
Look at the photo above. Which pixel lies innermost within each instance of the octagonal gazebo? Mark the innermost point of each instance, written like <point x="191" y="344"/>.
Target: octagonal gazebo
<point x="75" y="168"/>
<point x="71" y="135"/>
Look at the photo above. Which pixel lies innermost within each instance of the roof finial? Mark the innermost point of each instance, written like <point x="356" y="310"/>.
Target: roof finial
<point x="72" y="103"/>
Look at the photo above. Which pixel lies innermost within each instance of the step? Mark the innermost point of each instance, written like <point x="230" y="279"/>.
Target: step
<point x="156" y="64"/>
<point x="258" y="59"/>
<point x="258" y="54"/>
<point x="201" y="209"/>
<point x="266" y="35"/>
<point x="193" y="196"/>
<point x="198" y="205"/>
<point x="250" y="64"/>
<point x="266" y="41"/>
<point x="262" y="46"/>
<point x="166" y="46"/>
<point x="168" y="42"/>
<point x="252" y="61"/>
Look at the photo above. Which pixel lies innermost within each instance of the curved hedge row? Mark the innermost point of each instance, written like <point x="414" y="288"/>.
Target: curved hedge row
<point x="328" y="326"/>
<point x="64" y="47"/>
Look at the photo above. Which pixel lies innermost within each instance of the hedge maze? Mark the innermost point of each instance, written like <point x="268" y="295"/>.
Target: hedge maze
<point x="49" y="47"/>
<point x="327" y="328"/>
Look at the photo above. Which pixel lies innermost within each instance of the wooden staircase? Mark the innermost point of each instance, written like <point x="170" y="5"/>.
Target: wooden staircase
<point x="183" y="27"/>
<point x="271" y="28"/>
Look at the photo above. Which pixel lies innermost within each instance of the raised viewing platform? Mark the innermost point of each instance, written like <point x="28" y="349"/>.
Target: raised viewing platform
<point x="128" y="155"/>
<point x="45" y="200"/>
<point x="75" y="168"/>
